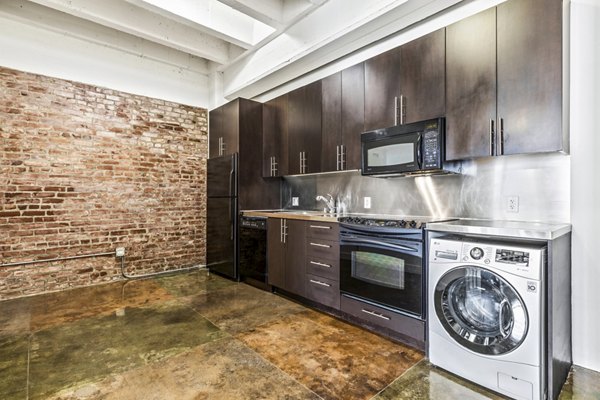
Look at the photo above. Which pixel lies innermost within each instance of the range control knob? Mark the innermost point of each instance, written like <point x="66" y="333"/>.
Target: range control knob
<point x="413" y="224"/>
<point x="476" y="253"/>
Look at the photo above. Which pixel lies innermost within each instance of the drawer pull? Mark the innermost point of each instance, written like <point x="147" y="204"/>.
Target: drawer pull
<point x="320" y="264"/>
<point x="320" y="227"/>
<point x="320" y="283"/>
<point x="320" y="245"/>
<point x="373" y="313"/>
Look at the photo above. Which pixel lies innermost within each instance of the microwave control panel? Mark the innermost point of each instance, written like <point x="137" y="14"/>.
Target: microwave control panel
<point x="432" y="157"/>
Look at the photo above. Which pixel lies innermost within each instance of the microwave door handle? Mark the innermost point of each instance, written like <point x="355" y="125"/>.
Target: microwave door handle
<point x="380" y="244"/>
<point x="419" y="152"/>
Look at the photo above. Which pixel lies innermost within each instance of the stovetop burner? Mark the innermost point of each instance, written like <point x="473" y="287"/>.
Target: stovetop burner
<point x="391" y="222"/>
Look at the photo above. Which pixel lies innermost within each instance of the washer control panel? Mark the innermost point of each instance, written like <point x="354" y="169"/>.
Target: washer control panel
<point x="519" y="259"/>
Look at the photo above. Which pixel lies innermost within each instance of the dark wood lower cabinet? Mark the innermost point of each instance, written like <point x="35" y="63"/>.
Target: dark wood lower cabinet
<point x="286" y="254"/>
<point x="295" y="254"/>
<point x="275" y="252"/>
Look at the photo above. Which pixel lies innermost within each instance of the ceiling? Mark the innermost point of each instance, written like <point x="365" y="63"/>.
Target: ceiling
<point x="249" y="46"/>
<point x="218" y="32"/>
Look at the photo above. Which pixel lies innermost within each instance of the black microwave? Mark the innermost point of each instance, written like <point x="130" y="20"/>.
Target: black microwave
<point x="414" y="148"/>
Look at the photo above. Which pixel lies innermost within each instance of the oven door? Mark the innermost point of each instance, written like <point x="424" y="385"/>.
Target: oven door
<point x="391" y="154"/>
<point x="389" y="274"/>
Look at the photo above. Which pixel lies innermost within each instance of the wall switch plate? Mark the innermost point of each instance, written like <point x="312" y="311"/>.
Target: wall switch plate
<point x="512" y="204"/>
<point x="120" y="252"/>
<point x="295" y="201"/>
<point x="367" y="201"/>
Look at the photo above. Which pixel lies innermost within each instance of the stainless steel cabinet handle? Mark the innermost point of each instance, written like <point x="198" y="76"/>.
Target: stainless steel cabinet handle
<point x="402" y="109"/>
<point x="320" y="283"/>
<point x="501" y="138"/>
<point x="492" y="137"/>
<point x="319" y="227"/>
<point x="320" y="245"/>
<point x="285" y="231"/>
<point x="396" y="110"/>
<point x="320" y="264"/>
<point x="373" y="313"/>
<point x="342" y="157"/>
<point x="222" y="146"/>
<point x="281" y="230"/>
<point x="337" y="158"/>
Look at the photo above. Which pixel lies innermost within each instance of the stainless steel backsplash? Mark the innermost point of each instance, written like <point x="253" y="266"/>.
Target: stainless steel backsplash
<point x="540" y="181"/>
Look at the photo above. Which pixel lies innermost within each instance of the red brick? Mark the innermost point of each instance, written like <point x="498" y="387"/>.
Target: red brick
<point x="80" y="180"/>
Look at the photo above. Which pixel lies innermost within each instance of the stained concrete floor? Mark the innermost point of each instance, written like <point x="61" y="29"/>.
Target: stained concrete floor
<point x="199" y="336"/>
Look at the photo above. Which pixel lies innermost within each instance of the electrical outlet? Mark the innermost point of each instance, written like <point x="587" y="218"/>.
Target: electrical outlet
<point x="367" y="201"/>
<point x="512" y="204"/>
<point x="295" y="201"/>
<point x="120" y="252"/>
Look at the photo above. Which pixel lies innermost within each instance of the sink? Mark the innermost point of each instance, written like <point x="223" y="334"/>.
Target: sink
<point x="300" y="212"/>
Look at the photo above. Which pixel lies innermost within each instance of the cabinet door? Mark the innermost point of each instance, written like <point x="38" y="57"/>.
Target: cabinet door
<point x="470" y="86"/>
<point x="353" y="114"/>
<point x="275" y="253"/>
<point x="382" y="86"/>
<point x="530" y="76"/>
<point x="230" y="126"/>
<point x="331" y="128"/>
<point x="304" y="129"/>
<point x="295" y="257"/>
<point x="275" y="137"/>
<point x="215" y="131"/>
<point x="295" y="129"/>
<point x="422" y="77"/>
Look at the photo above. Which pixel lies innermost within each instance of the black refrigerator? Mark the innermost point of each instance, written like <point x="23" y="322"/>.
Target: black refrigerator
<point x="221" y="215"/>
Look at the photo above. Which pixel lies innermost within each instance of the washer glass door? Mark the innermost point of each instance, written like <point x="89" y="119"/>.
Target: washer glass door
<point x="481" y="310"/>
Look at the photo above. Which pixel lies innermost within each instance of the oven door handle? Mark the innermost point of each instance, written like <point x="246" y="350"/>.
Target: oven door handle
<point x="380" y="244"/>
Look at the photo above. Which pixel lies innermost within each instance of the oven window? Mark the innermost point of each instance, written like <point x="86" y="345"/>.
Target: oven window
<point x="378" y="269"/>
<point x="391" y="154"/>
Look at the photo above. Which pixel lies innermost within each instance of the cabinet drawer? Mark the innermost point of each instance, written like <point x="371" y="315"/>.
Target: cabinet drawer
<point x="323" y="291"/>
<point x="323" y="267"/>
<point x="411" y="327"/>
<point x="323" y="230"/>
<point x="319" y="248"/>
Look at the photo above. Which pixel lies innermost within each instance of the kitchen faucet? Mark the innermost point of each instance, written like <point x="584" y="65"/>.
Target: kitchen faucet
<point x="329" y="202"/>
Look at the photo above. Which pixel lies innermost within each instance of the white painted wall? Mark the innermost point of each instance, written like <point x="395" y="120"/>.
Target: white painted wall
<point x="585" y="180"/>
<point x="39" y="50"/>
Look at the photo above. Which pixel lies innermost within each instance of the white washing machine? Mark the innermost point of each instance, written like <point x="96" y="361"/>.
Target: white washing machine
<point x="486" y="313"/>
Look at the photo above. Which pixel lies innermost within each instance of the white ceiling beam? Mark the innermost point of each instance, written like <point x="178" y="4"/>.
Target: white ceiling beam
<point x="332" y="31"/>
<point x="211" y="17"/>
<point x="269" y="12"/>
<point x="128" y="18"/>
<point x="68" y="25"/>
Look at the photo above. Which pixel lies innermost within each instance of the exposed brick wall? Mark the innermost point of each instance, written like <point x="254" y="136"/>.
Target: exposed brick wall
<point x="87" y="169"/>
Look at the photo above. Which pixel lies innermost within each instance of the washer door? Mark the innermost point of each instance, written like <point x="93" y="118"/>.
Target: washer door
<point x="480" y="310"/>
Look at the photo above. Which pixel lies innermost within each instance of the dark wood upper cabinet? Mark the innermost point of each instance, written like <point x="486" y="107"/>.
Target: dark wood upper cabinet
<point x="382" y="87"/>
<point x="504" y="81"/>
<point x="529" y="76"/>
<point x="304" y="129"/>
<point x="224" y="129"/>
<point x="353" y="115"/>
<point x="406" y="84"/>
<point x="331" y="122"/>
<point x="423" y="77"/>
<point x="343" y="119"/>
<point x="275" y="137"/>
<point x="471" y="86"/>
<point x="215" y="130"/>
<point x="238" y="127"/>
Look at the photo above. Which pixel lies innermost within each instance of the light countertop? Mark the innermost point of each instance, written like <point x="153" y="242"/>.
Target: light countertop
<point x="516" y="229"/>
